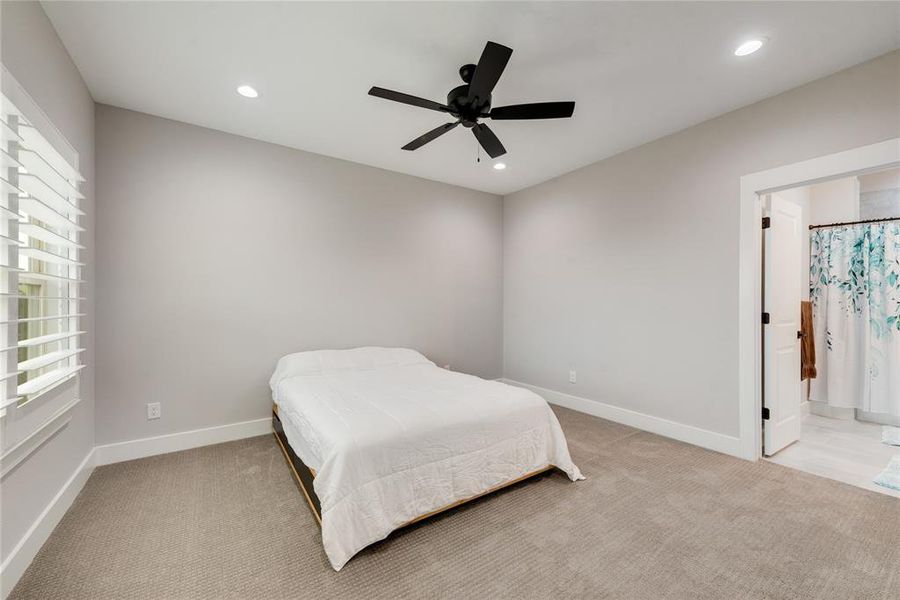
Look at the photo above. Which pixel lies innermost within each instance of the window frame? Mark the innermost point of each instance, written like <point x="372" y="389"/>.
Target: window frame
<point x="28" y="418"/>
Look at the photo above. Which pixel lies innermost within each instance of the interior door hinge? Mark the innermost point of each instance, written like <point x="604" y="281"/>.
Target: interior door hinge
<point x="765" y="318"/>
<point x="766" y="222"/>
<point x="765" y="413"/>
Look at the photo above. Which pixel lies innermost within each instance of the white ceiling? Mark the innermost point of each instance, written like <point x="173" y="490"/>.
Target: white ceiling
<point x="637" y="70"/>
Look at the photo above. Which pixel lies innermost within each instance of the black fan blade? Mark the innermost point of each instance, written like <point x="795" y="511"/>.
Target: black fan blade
<point x="488" y="140"/>
<point x="407" y="99"/>
<point x="427" y="137"/>
<point x="538" y="110"/>
<point x="489" y="69"/>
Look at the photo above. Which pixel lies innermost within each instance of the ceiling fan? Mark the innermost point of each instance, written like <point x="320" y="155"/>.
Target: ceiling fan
<point x="472" y="101"/>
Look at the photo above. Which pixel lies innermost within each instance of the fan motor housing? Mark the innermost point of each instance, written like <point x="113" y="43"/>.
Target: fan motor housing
<point x="462" y="106"/>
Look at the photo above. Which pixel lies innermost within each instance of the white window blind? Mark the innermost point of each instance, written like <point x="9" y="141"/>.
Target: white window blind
<point x="41" y="270"/>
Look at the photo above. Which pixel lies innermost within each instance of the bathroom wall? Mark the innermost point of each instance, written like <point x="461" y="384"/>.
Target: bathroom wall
<point x="879" y="195"/>
<point x="835" y="201"/>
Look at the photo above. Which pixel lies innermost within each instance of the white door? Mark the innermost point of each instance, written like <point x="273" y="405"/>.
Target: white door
<point x="781" y="344"/>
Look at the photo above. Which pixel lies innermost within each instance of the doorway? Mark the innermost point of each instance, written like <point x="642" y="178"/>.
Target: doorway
<point x="831" y="329"/>
<point x="754" y="186"/>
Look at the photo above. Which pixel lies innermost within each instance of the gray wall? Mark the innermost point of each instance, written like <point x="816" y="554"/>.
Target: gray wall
<point x="39" y="62"/>
<point x="627" y="270"/>
<point x="218" y="254"/>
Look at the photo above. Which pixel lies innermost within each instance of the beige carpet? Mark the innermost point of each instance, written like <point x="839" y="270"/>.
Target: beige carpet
<point x="655" y="519"/>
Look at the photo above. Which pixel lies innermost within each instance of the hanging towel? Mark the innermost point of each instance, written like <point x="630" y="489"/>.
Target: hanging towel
<point x="807" y="343"/>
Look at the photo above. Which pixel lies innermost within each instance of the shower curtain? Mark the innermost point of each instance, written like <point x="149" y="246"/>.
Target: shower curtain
<point x="855" y="293"/>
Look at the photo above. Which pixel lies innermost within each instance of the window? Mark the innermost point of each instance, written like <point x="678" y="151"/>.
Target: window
<point x="41" y="270"/>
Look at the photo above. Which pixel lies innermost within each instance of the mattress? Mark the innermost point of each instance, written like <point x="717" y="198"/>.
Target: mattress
<point x="298" y="443"/>
<point x="393" y="437"/>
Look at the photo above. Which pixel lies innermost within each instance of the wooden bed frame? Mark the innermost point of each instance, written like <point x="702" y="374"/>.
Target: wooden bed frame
<point x="304" y="476"/>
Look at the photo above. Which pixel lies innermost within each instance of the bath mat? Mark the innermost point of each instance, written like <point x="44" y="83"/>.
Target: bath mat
<point x="890" y="435"/>
<point x="890" y="477"/>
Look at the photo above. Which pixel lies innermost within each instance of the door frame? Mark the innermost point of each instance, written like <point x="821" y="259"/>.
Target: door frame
<point x="858" y="161"/>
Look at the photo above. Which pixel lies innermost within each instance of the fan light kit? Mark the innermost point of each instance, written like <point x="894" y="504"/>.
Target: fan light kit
<point x="748" y="47"/>
<point x="472" y="101"/>
<point x="247" y="92"/>
<point x="499" y="166"/>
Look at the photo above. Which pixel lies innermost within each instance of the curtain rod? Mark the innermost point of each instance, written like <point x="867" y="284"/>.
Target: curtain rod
<point x="855" y="223"/>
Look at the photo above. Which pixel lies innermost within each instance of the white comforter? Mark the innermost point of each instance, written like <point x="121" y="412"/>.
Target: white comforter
<point x="395" y="437"/>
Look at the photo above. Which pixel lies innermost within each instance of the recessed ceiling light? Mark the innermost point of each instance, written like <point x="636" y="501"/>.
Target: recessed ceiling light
<point x="499" y="166"/>
<point x="247" y="92"/>
<point x="749" y="47"/>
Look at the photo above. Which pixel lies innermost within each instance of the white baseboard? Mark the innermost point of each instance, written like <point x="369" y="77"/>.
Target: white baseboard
<point x="823" y="409"/>
<point x="24" y="552"/>
<point x="686" y="433"/>
<point x="184" y="440"/>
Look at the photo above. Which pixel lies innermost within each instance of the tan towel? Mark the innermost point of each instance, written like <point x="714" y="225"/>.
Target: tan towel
<point x="807" y="344"/>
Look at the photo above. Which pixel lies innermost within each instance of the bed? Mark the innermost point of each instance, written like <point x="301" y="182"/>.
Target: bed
<point x="379" y="438"/>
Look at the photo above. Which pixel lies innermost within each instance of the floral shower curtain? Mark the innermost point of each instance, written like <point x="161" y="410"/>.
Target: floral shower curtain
<point x="855" y="293"/>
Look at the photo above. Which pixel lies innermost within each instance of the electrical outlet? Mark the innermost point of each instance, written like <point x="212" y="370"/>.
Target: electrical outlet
<point x="572" y="376"/>
<point x="154" y="410"/>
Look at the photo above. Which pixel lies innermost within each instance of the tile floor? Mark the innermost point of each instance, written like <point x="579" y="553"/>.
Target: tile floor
<point x="846" y="450"/>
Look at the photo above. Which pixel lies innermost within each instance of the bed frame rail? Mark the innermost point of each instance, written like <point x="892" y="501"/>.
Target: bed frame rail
<point x="302" y="474"/>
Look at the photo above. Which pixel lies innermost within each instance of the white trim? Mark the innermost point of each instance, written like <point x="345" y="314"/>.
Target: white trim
<point x="686" y="433"/>
<point x="22" y="450"/>
<point x="184" y="440"/>
<point x="882" y="155"/>
<point x="24" y="552"/>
